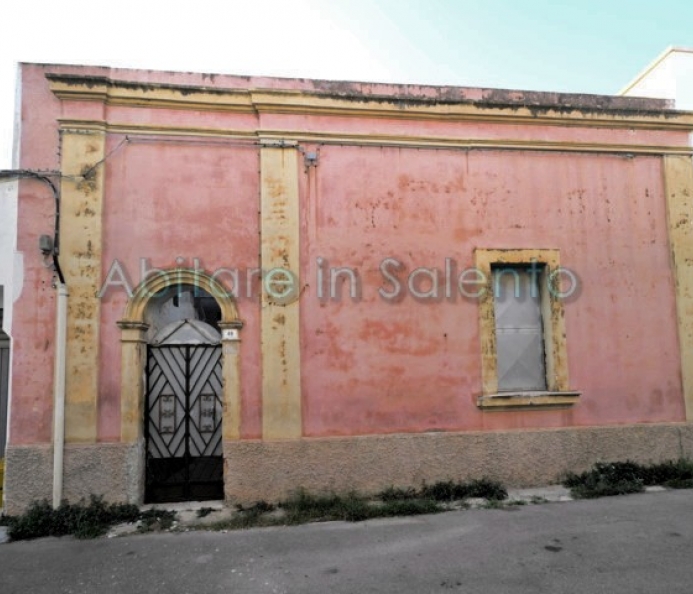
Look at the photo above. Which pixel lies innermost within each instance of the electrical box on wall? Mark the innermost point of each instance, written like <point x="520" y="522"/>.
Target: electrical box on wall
<point x="46" y="244"/>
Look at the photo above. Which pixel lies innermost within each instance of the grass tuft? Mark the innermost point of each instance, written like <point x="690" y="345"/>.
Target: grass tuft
<point x="446" y="491"/>
<point x="408" y="507"/>
<point x="304" y="507"/>
<point x="619" y="478"/>
<point x="398" y="494"/>
<point x="83" y="520"/>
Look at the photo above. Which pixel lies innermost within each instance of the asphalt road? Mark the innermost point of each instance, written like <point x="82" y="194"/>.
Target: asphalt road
<point x="637" y="543"/>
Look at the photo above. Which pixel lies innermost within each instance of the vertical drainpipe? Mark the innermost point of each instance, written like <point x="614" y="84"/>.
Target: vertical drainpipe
<point x="59" y="393"/>
<point x="60" y="365"/>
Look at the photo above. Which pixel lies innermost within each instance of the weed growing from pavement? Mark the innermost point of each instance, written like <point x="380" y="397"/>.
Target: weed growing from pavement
<point x="398" y="494"/>
<point x="680" y="483"/>
<point x="619" y="478"/>
<point x="256" y="515"/>
<point x="454" y="491"/>
<point x="303" y="507"/>
<point x="448" y="491"/>
<point x="83" y="520"/>
<point x="155" y="519"/>
<point x="93" y="519"/>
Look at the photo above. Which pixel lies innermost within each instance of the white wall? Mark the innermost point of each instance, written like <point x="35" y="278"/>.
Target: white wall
<point x="683" y="72"/>
<point x="659" y="82"/>
<point x="669" y="77"/>
<point x="11" y="262"/>
<point x="8" y="246"/>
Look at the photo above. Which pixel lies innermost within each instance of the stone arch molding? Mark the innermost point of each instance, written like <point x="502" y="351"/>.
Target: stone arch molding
<point x="134" y="355"/>
<point x="157" y="282"/>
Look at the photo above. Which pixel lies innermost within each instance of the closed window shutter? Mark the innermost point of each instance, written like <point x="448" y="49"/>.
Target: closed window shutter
<point x="519" y="330"/>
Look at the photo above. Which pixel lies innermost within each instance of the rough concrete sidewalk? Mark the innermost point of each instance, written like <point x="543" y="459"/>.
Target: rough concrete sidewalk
<point x="188" y="513"/>
<point x="193" y="515"/>
<point x="189" y="518"/>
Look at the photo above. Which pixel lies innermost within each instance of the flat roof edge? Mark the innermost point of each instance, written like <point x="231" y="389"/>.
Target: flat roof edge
<point x="350" y="90"/>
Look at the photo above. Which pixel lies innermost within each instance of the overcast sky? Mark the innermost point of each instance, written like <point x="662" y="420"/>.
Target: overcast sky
<point x="577" y="46"/>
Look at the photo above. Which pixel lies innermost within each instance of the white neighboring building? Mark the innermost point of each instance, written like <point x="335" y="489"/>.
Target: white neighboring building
<point x="10" y="259"/>
<point x="669" y="76"/>
<point x="11" y="278"/>
<point x="8" y="249"/>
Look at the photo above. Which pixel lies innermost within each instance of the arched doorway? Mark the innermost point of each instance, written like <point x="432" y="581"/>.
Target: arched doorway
<point x="183" y="397"/>
<point x="181" y="310"/>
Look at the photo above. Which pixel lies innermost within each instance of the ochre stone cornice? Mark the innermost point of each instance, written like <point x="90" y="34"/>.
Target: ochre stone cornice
<point x="102" y="89"/>
<point x="498" y="107"/>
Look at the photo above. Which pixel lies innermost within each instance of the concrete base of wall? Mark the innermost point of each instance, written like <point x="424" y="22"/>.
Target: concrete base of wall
<point x="271" y="470"/>
<point x="111" y="470"/>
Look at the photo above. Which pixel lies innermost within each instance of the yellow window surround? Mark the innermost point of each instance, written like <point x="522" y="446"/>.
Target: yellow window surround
<point x="557" y="393"/>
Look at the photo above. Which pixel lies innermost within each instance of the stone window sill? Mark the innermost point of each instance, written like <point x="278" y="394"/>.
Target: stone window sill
<point x="527" y="400"/>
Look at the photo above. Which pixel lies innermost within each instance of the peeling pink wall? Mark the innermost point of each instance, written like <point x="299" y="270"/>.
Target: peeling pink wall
<point x="34" y="312"/>
<point x="376" y="366"/>
<point x="370" y="366"/>
<point x="167" y="199"/>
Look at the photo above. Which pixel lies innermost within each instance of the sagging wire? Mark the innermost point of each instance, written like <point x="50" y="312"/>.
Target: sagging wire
<point x="45" y="177"/>
<point x="90" y="170"/>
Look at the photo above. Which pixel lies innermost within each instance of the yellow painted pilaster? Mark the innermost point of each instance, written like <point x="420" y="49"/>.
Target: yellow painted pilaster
<point x="279" y="229"/>
<point x="231" y="373"/>
<point x="80" y="257"/>
<point x="133" y="352"/>
<point x="678" y="185"/>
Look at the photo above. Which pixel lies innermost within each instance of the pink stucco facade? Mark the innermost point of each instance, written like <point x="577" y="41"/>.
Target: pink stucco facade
<point x="379" y="366"/>
<point x="426" y="191"/>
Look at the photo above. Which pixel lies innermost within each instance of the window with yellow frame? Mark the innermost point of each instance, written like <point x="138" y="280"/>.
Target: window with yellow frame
<point x="522" y="330"/>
